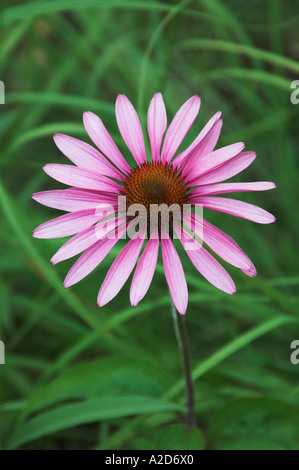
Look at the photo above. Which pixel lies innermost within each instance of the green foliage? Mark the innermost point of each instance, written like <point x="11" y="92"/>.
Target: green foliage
<point x="176" y="437"/>
<point x="100" y="378"/>
<point x="80" y="377"/>
<point x="256" y="424"/>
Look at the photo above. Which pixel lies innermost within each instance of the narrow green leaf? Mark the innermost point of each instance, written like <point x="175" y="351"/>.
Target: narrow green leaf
<point x="90" y="411"/>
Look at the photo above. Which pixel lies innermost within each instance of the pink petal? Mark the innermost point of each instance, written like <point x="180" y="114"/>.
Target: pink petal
<point x="67" y="224"/>
<point x="238" y="208"/>
<point x="250" y="272"/>
<point x="80" y="178"/>
<point x="156" y="124"/>
<point x="179" y="127"/>
<point x="85" y="156"/>
<point x="101" y="137"/>
<point x="228" y="169"/>
<point x="130" y="128"/>
<point x="221" y="243"/>
<point x="203" y="133"/>
<point x="205" y="147"/>
<point x="74" y="199"/>
<point x="91" y="258"/>
<point x="212" y="189"/>
<point x="207" y="265"/>
<point x="82" y="241"/>
<point x="175" y="275"/>
<point x="145" y="271"/>
<point x="119" y="271"/>
<point x="213" y="160"/>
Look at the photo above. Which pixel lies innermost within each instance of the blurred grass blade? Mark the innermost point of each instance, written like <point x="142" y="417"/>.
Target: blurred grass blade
<point x="240" y="342"/>
<point x="241" y="49"/>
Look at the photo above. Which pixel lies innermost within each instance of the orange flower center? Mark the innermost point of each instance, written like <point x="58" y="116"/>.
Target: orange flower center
<point x="155" y="183"/>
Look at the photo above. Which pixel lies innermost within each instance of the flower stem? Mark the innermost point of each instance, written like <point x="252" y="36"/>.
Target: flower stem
<point x="183" y="344"/>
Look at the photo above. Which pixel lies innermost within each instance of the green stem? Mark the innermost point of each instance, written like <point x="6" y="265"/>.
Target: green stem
<point x="183" y="343"/>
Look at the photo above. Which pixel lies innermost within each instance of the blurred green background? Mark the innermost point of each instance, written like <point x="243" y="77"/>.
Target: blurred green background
<point x="80" y="377"/>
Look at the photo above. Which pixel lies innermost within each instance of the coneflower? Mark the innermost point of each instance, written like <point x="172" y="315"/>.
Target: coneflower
<point x="193" y="178"/>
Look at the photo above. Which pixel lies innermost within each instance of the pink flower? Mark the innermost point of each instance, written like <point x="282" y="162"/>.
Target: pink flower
<point x="194" y="176"/>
